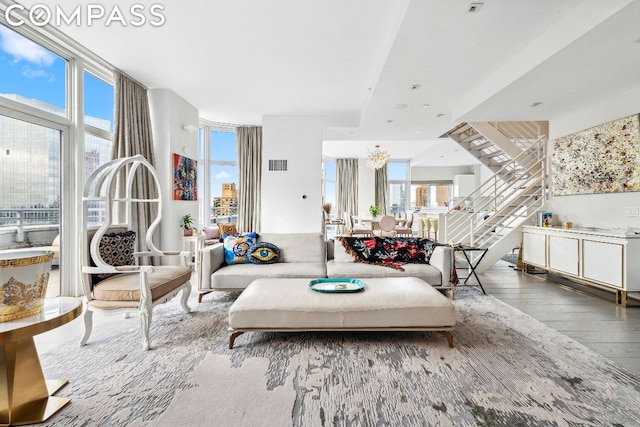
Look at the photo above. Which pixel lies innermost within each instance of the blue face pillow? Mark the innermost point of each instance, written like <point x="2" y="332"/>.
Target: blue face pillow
<point x="236" y="248"/>
<point x="264" y="253"/>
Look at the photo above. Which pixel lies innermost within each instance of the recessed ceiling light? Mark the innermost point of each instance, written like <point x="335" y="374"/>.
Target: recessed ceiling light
<point x="419" y="131"/>
<point x="474" y="7"/>
<point x="535" y="104"/>
<point x="426" y="105"/>
<point x="439" y="114"/>
<point x="351" y="132"/>
<point x="414" y="87"/>
<point x="389" y="121"/>
<point x="401" y="106"/>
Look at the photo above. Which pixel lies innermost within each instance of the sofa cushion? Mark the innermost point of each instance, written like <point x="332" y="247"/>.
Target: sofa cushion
<point x="239" y="276"/>
<point x="126" y="287"/>
<point x="236" y="248"/>
<point x="426" y="272"/>
<point x="264" y="253"/>
<point x="297" y="247"/>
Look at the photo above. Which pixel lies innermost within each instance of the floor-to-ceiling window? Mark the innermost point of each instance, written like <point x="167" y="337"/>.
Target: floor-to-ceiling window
<point x="398" y="177"/>
<point x="218" y="169"/>
<point x="98" y="133"/>
<point x="329" y="188"/>
<point x="431" y="195"/>
<point x="44" y="137"/>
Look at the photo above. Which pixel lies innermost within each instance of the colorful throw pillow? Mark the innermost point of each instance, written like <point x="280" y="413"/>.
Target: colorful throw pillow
<point x="117" y="249"/>
<point x="264" y="253"/>
<point x="236" y="248"/>
<point x="227" y="228"/>
<point x="211" y="235"/>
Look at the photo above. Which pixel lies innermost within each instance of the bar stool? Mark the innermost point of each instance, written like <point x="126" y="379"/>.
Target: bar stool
<point x="434" y="229"/>
<point x="426" y="225"/>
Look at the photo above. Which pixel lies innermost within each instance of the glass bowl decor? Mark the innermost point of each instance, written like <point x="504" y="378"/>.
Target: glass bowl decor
<point x="24" y="276"/>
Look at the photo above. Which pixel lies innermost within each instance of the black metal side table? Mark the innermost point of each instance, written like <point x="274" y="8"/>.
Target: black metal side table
<point x="466" y="250"/>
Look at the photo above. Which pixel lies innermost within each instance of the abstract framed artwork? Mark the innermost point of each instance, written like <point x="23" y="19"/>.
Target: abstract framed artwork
<point x="601" y="159"/>
<point x="185" y="178"/>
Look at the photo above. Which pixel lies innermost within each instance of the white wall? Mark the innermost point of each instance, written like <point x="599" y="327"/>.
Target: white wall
<point x="366" y="187"/>
<point x="292" y="200"/>
<point x="438" y="173"/>
<point x="596" y="210"/>
<point x="169" y="113"/>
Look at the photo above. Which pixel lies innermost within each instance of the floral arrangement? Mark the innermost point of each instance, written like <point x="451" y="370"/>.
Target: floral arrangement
<point x="374" y="210"/>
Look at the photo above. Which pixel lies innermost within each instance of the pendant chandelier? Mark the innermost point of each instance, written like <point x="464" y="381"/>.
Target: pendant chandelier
<point x="377" y="158"/>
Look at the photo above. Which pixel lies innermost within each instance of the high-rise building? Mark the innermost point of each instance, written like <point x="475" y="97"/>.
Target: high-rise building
<point x="227" y="204"/>
<point x="421" y="195"/>
<point x="30" y="164"/>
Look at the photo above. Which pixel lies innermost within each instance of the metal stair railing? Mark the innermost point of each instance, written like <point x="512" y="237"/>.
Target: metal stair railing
<point x="521" y="133"/>
<point x="517" y="187"/>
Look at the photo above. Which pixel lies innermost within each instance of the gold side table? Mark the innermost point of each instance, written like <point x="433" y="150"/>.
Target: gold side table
<point x="25" y="396"/>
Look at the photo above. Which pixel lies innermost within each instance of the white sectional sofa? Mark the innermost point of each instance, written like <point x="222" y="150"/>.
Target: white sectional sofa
<point x="308" y="255"/>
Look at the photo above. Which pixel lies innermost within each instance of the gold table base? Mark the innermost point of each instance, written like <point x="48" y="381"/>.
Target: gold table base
<point x="25" y="396"/>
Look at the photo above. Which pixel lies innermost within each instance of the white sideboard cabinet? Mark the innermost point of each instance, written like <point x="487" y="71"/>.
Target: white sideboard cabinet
<point x="607" y="259"/>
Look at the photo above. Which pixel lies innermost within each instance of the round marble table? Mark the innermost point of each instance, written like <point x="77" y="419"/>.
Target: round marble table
<point x="25" y="396"/>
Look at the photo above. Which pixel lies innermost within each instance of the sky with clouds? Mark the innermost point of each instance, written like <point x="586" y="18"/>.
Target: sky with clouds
<point x="30" y="70"/>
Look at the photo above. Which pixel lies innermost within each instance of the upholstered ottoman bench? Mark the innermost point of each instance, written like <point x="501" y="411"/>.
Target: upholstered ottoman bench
<point x="385" y="304"/>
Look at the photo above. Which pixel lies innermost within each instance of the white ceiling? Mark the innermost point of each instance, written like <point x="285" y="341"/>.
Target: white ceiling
<point x="355" y="62"/>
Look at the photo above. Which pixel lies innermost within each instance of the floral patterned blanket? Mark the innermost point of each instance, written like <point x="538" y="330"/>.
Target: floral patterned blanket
<point x="392" y="252"/>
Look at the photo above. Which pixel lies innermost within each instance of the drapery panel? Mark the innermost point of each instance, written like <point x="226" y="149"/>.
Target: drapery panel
<point x="347" y="186"/>
<point x="249" y="149"/>
<point x="382" y="189"/>
<point x="132" y="135"/>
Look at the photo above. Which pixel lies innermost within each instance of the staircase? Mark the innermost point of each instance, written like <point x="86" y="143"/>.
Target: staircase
<point x="494" y="144"/>
<point x="492" y="215"/>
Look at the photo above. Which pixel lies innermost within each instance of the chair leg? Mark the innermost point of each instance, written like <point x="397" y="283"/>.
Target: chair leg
<point x="88" y="325"/>
<point x="186" y="291"/>
<point x="145" y="322"/>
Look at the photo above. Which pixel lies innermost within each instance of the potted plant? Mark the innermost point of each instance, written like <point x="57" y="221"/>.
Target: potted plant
<point x="187" y="225"/>
<point x="374" y="211"/>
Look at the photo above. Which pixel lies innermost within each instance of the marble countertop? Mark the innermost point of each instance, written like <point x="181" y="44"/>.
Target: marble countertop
<point x="627" y="232"/>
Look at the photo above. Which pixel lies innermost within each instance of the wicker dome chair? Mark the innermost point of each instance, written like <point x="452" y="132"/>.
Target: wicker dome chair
<point x="114" y="281"/>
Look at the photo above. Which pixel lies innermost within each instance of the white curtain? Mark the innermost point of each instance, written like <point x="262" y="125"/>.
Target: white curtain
<point x="382" y="189"/>
<point x="249" y="147"/>
<point x="347" y="186"/>
<point x="132" y="136"/>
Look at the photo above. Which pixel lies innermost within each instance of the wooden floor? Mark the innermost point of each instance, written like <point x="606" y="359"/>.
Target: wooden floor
<point x="593" y="321"/>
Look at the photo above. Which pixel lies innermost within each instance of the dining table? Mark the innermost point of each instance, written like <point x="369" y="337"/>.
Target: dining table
<point x="374" y="221"/>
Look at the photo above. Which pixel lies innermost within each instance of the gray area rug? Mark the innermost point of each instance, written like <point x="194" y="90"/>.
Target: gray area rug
<point x="506" y="369"/>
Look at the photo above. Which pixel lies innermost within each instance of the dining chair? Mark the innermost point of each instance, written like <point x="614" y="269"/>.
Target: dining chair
<point x="353" y="229"/>
<point x="406" y="229"/>
<point x="387" y="226"/>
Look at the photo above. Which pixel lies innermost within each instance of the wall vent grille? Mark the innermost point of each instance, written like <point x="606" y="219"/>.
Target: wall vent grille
<point x="277" y="165"/>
